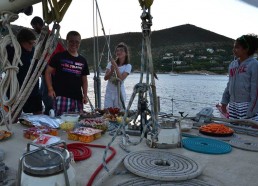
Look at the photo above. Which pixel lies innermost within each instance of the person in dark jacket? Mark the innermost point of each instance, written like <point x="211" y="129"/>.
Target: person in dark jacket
<point x="37" y="24"/>
<point x="26" y="39"/>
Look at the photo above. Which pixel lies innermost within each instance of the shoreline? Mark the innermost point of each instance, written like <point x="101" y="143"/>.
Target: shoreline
<point x="193" y="72"/>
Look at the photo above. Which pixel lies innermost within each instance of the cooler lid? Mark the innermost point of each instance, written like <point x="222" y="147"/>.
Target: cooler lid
<point x="45" y="162"/>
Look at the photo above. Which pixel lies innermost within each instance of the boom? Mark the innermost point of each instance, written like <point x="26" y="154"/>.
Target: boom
<point x="16" y="5"/>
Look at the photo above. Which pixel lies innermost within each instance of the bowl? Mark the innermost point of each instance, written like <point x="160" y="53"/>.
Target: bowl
<point x="70" y="117"/>
<point x="186" y="125"/>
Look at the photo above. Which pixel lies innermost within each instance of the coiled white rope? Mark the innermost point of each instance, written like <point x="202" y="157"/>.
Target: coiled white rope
<point x="138" y="181"/>
<point x="24" y="90"/>
<point x="162" y="165"/>
<point x="9" y="82"/>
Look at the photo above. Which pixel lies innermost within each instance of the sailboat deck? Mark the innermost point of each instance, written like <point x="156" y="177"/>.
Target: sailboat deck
<point x="239" y="167"/>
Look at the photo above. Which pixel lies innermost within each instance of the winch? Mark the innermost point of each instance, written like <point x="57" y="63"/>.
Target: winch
<point x="46" y="165"/>
<point x="169" y="134"/>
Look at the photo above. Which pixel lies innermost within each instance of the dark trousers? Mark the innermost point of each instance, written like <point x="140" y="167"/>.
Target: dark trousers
<point x="48" y="101"/>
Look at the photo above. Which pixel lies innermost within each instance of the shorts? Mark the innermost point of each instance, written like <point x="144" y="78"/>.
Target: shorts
<point x="33" y="104"/>
<point x="238" y="111"/>
<point x="64" y="105"/>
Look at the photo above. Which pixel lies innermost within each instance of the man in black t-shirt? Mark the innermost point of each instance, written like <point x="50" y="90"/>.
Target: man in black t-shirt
<point x="69" y="85"/>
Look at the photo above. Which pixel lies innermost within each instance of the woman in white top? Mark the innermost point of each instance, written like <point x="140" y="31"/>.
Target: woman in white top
<point x="117" y="70"/>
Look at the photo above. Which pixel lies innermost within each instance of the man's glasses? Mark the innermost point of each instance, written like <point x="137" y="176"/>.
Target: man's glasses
<point x="74" y="42"/>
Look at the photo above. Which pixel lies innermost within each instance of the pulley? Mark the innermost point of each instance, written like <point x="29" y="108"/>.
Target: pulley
<point x="57" y="10"/>
<point x="146" y="3"/>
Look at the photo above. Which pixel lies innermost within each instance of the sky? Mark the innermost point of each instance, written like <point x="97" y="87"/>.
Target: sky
<point x="231" y="18"/>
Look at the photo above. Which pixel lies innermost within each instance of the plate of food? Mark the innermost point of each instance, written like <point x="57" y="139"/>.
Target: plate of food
<point x="89" y="115"/>
<point x="113" y="111"/>
<point x="26" y="123"/>
<point x="216" y="129"/>
<point x="5" y="135"/>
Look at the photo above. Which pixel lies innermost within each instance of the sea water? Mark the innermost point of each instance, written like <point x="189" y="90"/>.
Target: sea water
<point x="183" y="93"/>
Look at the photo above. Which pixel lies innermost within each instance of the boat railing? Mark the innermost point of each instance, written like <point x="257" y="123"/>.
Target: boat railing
<point x="173" y="102"/>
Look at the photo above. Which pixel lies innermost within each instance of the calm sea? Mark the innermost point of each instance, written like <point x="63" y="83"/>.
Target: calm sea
<point x="182" y="93"/>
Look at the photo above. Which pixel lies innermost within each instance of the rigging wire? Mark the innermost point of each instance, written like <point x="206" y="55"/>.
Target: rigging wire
<point x="142" y="89"/>
<point x="96" y="78"/>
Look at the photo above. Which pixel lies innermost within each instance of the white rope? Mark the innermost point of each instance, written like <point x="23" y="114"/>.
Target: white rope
<point x="9" y="81"/>
<point x="45" y="56"/>
<point x="22" y="91"/>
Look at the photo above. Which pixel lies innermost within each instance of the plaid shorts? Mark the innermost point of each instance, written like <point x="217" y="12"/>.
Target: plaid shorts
<point x="64" y="104"/>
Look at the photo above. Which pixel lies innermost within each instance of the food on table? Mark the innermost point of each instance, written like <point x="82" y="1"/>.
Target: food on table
<point x="120" y="119"/>
<point x="216" y="129"/>
<point x="89" y="115"/>
<point x="67" y="126"/>
<point x="96" y="123"/>
<point x="110" y="117"/>
<point x="113" y="111"/>
<point x="5" y="134"/>
<point x="101" y="111"/>
<point x="84" y="134"/>
<point x="34" y="132"/>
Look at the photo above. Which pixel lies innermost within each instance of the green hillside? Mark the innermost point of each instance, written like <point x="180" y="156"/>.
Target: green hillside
<point x="176" y="43"/>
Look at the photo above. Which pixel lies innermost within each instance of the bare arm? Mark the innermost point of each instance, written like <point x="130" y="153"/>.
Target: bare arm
<point x="85" y="89"/>
<point x="48" y="78"/>
<point x="108" y="73"/>
<point x="115" y="68"/>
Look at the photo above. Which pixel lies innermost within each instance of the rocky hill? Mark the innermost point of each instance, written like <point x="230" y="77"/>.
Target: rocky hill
<point x="176" y="41"/>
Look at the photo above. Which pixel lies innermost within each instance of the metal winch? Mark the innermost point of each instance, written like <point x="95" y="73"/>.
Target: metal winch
<point x="46" y="165"/>
<point x="169" y="134"/>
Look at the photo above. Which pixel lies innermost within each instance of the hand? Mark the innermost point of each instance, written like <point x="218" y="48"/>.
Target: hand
<point x="51" y="93"/>
<point x="224" y="108"/>
<point x="113" y="63"/>
<point x="85" y="100"/>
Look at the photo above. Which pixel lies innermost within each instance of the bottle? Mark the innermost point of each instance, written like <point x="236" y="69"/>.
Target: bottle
<point x="52" y="113"/>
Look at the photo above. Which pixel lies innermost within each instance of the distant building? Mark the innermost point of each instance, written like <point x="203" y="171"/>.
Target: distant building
<point x="189" y="56"/>
<point x="202" y="57"/>
<point x="221" y="50"/>
<point x="178" y="62"/>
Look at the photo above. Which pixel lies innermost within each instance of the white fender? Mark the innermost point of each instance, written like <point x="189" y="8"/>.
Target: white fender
<point x="16" y="5"/>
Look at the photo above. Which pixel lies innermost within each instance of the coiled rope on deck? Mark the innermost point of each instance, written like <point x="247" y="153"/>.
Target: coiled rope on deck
<point x="162" y="165"/>
<point x="149" y="182"/>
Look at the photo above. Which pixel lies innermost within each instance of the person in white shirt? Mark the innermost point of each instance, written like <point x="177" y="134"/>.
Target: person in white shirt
<point x="117" y="70"/>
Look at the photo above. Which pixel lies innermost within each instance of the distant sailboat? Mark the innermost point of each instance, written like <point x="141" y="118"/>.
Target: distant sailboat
<point x="173" y="74"/>
<point x="172" y="71"/>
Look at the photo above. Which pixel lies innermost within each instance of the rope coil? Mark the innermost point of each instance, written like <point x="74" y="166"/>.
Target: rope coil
<point x="9" y="85"/>
<point x="162" y="165"/>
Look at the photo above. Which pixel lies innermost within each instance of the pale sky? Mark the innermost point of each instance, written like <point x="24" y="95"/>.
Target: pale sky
<point x="231" y="18"/>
